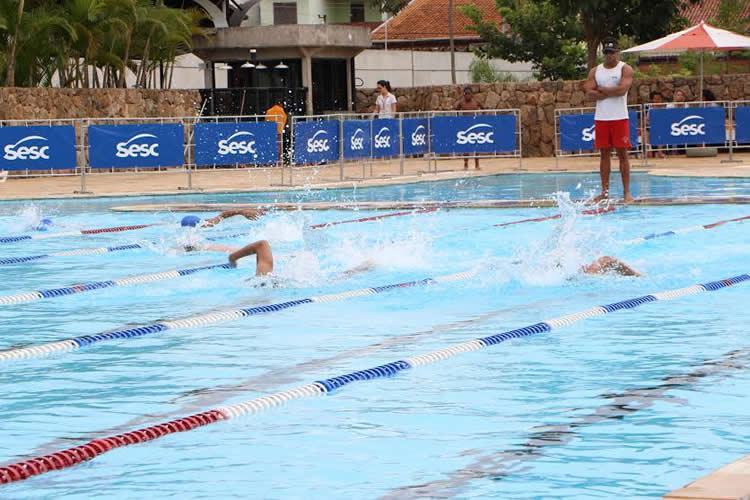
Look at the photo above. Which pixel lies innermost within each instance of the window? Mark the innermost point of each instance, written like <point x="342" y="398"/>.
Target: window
<point x="284" y="13"/>
<point x="357" y="13"/>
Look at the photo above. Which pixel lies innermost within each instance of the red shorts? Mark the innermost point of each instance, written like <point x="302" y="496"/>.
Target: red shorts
<point x="612" y="134"/>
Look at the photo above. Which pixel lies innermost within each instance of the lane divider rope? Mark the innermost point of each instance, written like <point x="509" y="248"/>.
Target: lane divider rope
<point x="79" y="232"/>
<point x="594" y="211"/>
<point x="70" y="457"/>
<point x="373" y="218"/>
<point x="50" y="293"/>
<point x="685" y="230"/>
<point x="75" y="343"/>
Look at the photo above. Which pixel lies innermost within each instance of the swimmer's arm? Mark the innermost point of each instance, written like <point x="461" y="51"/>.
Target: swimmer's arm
<point x="367" y="265"/>
<point x="248" y="213"/>
<point x="625" y="82"/>
<point x="262" y="251"/>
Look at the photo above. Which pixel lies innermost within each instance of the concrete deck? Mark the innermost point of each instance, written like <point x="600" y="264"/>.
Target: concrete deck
<point x="731" y="482"/>
<point x="382" y="173"/>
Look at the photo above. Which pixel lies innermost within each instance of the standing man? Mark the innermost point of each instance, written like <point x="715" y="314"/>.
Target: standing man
<point x="469" y="103"/>
<point x="609" y="84"/>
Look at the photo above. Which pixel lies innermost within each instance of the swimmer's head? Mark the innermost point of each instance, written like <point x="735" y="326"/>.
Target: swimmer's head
<point x="190" y="221"/>
<point x="44" y="224"/>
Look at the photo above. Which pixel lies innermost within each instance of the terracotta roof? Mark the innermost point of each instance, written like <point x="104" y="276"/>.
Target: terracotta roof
<point x="428" y="20"/>
<point x="706" y="10"/>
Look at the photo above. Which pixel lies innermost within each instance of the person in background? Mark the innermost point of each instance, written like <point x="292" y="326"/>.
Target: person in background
<point x="709" y="96"/>
<point x="469" y="103"/>
<point x="386" y="104"/>
<point x="678" y="100"/>
<point x="656" y="99"/>
<point x="276" y="113"/>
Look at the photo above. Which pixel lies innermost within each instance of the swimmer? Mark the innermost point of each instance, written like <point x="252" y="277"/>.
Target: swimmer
<point x="248" y="213"/>
<point x="44" y="225"/>
<point x="607" y="264"/>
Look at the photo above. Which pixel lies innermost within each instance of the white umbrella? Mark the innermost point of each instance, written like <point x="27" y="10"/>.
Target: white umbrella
<point x="700" y="38"/>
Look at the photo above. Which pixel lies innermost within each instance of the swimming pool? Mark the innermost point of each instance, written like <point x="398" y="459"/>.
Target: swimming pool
<point x="630" y="404"/>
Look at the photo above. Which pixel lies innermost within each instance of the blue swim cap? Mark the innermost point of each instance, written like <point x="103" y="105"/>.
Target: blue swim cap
<point x="44" y="224"/>
<point x="190" y="221"/>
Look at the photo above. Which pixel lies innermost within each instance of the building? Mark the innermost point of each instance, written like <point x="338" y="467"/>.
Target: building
<point x="281" y="50"/>
<point x="412" y="48"/>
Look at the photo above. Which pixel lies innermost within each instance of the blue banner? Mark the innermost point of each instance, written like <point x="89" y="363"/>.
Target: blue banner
<point x="385" y="138"/>
<point x="415" y="136"/>
<point x="357" y="139"/>
<point x="244" y="143"/>
<point x="38" y="147"/>
<point x="685" y="126"/>
<point x="578" y="133"/>
<point x="316" y="142"/>
<point x="487" y="134"/>
<point x="137" y="145"/>
<point x="742" y="124"/>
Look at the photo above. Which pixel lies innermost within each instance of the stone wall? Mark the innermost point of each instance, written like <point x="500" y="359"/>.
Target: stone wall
<point x="49" y="103"/>
<point x="538" y="100"/>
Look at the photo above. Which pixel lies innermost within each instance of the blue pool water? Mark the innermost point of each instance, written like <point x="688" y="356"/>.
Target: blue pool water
<point x="622" y="405"/>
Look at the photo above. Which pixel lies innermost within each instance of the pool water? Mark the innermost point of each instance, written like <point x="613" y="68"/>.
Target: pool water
<point x="631" y="404"/>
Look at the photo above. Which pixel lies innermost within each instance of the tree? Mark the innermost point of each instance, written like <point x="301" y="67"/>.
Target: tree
<point x="731" y="16"/>
<point x="391" y="7"/>
<point x="645" y="20"/>
<point x="537" y="32"/>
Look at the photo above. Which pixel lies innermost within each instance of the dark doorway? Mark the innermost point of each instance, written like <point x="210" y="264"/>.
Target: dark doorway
<point x="285" y="13"/>
<point x="329" y="85"/>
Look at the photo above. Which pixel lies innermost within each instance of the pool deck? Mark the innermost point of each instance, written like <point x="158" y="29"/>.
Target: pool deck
<point x="731" y="482"/>
<point x="380" y="174"/>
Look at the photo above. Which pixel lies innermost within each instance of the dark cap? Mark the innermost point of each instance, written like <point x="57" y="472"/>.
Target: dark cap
<point x="609" y="45"/>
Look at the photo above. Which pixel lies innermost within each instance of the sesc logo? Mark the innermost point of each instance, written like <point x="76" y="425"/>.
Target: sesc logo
<point x="476" y="134"/>
<point x="232" y="145"/>
<point x="28" y="152"/>
<point x="419" y="136"/>
<point x="315" y="144"/>
<point x="689" y="129"/>
<point x="383" y="138"/>
<point x="143" y="150"/>
<point x="588" y="134"/>
<point x="357" y="141"/>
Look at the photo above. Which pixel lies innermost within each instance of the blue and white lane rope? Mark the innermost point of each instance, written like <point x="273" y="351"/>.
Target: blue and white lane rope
<point x="78" y="232"/>
<point x="329" y="385"/>
<point x="685" y="230"/>
<point x="70" y="457"/>
<point x="75" y="343"/>
<point x="50" y="293"/>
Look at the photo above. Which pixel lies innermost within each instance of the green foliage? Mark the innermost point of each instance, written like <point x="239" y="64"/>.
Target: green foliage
<point x="92" y="43"/>
<point x="537" y="33"/>
<point x="391" y="7"/>
<point x="730" y="16"/>
<point x="482" y="72"/>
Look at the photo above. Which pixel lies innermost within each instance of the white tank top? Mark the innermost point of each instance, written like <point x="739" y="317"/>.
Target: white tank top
<point x="611" y="108"/>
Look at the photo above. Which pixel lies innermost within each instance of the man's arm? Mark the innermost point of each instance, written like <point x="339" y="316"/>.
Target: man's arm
<point x="625" y="83"/>
<point x="263" y="260"/>
<point x="591" y="88"/>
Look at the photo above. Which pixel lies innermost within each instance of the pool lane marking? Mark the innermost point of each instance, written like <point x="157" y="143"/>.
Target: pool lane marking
<point x="75" y="343"/>
<point x="72" y="456"/>
<point x="78" y="232"/>
<point x="619" y="405"/>
<point x="594" y="211"/>
<point x="103" y="250"/>
<point x="138" y="279"/>
<point x="685" y="230"/>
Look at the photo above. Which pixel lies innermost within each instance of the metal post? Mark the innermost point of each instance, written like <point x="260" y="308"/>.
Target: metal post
<point x="401" y="144"/>
<point x="83" y="139"/>
<point x="341" y="148"/>
<point x="732" y="134"/>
